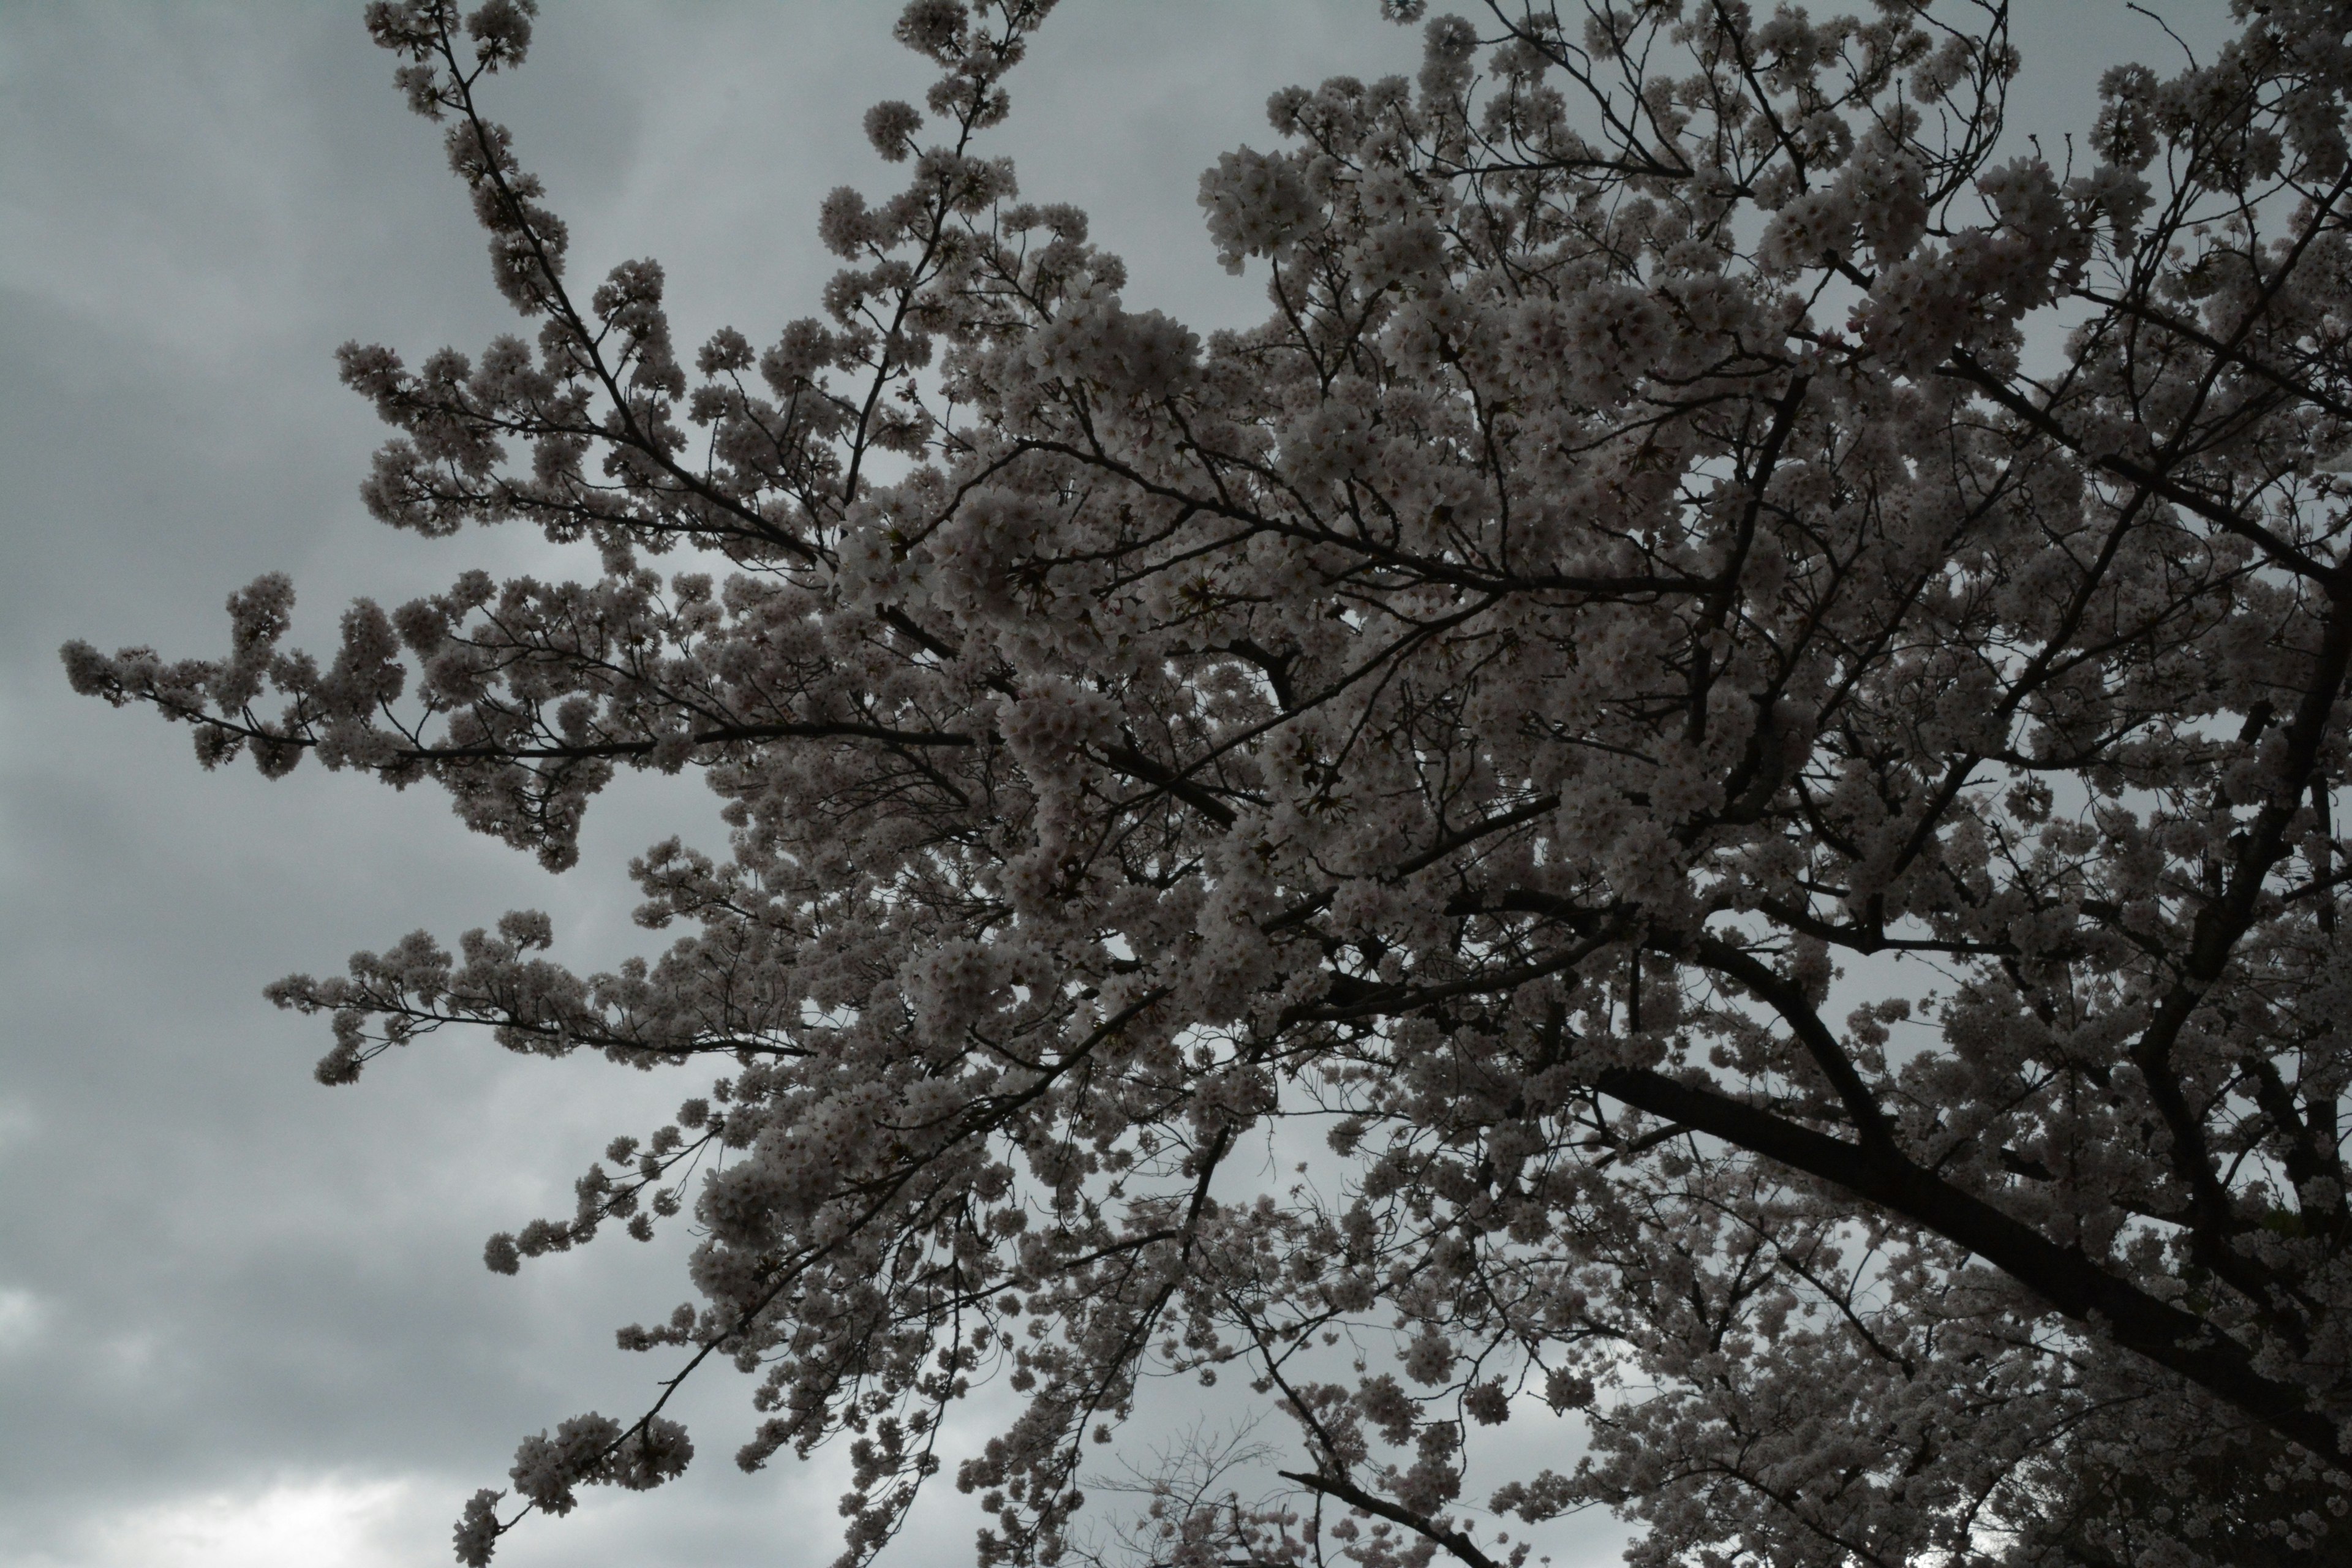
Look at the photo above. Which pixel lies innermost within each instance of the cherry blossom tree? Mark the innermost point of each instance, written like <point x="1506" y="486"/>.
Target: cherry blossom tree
<point x="1725" y="731"/>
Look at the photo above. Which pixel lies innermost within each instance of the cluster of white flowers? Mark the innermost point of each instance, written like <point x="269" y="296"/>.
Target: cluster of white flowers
<point x="1258" y="204"/>
<point x="1094" y="341"/>
<point x="1781" y="873"/>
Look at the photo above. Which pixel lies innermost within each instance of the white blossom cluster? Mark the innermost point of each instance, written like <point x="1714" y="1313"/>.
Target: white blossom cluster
<point x="1778" y="868"/>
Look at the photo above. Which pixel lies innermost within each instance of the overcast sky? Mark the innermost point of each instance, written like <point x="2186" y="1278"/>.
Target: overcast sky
<point x="243" y="1319"/>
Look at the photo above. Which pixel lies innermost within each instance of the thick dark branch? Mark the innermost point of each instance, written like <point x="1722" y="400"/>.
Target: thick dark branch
<point x="717" y="736"/>
<point x="2221" y="512"/>
<point x="1787" y="998"/>
<point x="1428" y="568"/>
<point x="2062" y="1276"/>
<point x="2220" y="926"/>
<point x="1135" y="764"/>
<point x="2234" y="353"/>
<point x="1356" y="1497"/>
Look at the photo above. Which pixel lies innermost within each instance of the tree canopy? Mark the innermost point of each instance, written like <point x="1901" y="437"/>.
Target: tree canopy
<point x="1722" y="733"/>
